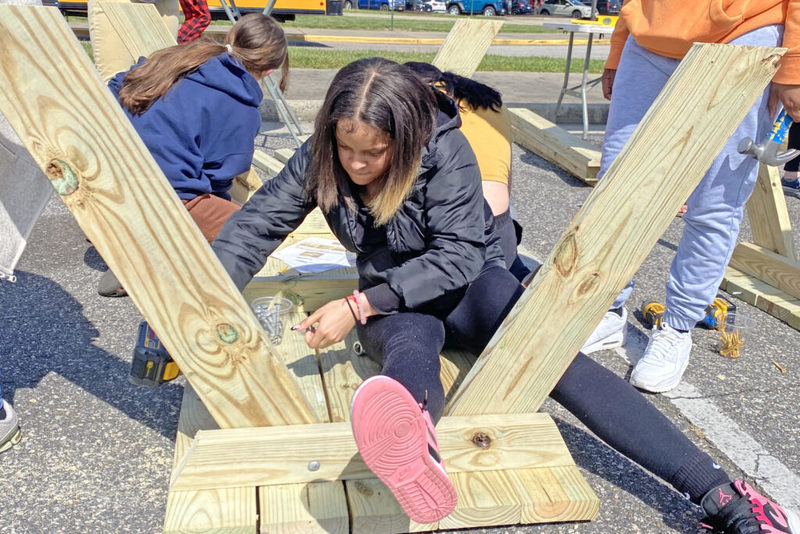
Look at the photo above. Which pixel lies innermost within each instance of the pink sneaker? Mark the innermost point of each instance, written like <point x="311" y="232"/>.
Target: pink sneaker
<point x="396" y="439"/>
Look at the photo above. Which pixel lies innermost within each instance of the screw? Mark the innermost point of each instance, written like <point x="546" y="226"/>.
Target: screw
<point x="482" y="440"/>
<point x="313" y="465"/>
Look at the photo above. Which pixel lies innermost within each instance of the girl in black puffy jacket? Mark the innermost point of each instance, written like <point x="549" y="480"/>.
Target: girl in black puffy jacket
<point x="400" y="187"/>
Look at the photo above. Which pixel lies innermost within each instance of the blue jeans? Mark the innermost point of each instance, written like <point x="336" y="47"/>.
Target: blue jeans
<point x="716" y="206"/>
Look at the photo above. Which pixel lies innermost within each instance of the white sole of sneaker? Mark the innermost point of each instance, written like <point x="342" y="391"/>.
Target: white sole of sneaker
<point x="660" y="387"/>
<point x="794" y="521"/>
<point x="10" y="442"/>
<point x="391" y="436"/>
<point x="611" y="342"/>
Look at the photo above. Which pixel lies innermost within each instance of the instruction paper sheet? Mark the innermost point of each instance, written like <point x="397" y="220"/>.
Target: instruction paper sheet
<point x="315" y="254"/>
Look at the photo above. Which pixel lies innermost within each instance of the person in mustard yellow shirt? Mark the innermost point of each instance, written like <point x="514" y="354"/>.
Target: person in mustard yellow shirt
<point x="486" y="124"/>
<point x="648" y="42"/>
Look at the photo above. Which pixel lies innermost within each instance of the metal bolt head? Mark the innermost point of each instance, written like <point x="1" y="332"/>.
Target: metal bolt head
<point x="313" y="465"/>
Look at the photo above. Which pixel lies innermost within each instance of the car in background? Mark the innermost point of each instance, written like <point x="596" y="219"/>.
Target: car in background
<point x="607" y="7"/>
<point x="566" y="8"/>
<point x="487" y="8"/>
<point x="521" y="7"/>
<point x="383" y="5"/>
<point x="434" y="6"/>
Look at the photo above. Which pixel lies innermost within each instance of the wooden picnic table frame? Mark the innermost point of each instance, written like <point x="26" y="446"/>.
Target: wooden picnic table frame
<point x="509" y="463"/>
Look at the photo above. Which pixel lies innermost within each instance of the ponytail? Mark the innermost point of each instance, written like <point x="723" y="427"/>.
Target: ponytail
<point x="476" y="94"/>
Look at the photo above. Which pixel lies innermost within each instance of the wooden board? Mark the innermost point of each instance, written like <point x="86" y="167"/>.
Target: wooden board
<point x="139" y="26"/>
<point x="78" y="134"/>
<point x="767" y="266"/>
<point x="244" y="186"/>
<point x="537" y="134"/>
<point x="701" y="105"/>
<point x="318" y="506"/>
<point x="277" y="455"/>
<point x="267" y="163"/>
<point x="763" y="296"/>
<point x="769" y="218"/>
<point x="284" y="154"/>
<point x="466" y="44"/>
<point x="225" y="510"/>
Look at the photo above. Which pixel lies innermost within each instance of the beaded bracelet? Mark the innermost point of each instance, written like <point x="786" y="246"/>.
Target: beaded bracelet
<point x="348" y="299"/>
<point x="361" y="315"/>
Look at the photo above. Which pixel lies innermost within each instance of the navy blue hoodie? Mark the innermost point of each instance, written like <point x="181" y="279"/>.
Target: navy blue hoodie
<point x="201" y="132"/>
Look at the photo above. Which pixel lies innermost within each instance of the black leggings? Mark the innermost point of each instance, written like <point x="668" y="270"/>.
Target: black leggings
<point x="407" y="345"/>
<point x="793" y="142"/>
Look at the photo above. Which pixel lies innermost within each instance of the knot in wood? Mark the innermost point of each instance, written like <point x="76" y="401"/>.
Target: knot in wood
<point x="565" y="257"/>
<point x="482" y="440"/>
<point x="62" y="176"/>
<point x="227" y="333"/>
<point x="589" y="283"/>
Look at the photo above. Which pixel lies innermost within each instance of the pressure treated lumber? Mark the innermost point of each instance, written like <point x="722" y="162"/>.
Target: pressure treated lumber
<point x="79" y="136"/>
<point x="139" y="26"/>
<point x="773" y="269"/>
<point x="281" y="454"/>
<point x="466" y="44"/>
<point x="537" y="134"/>
<point x="245" y="185"/>
<point x="306" y="507"/>
<point x="763" y="296"/>
<point x="267" y="163"/>
<point x="284" y="154"/>
<point x="623" y="217"/>
<point x="226" y="510"/>
<point x="769" y="218"/>
<point x="318" y="507"/>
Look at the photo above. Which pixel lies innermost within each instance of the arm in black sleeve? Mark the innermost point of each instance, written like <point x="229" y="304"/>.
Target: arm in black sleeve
<point x="274" y="211"/>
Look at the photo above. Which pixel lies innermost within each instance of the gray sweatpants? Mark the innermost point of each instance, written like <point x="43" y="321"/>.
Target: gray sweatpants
<point x="716" y="206"/>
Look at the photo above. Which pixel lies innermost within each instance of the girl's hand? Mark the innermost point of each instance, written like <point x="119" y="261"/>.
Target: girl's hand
<point x="328" y="325"/>
<point x="789" y="96"/>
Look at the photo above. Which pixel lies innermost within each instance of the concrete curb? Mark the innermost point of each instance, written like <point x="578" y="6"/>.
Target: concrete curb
<point x="306" y="110"/>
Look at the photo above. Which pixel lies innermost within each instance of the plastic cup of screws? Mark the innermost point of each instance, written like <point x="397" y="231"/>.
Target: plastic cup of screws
<point x="270" y="312"/>
<point x="734" y="332"/>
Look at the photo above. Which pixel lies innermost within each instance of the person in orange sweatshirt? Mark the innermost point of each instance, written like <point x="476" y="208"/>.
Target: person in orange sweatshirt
<point x="648" y="42"/>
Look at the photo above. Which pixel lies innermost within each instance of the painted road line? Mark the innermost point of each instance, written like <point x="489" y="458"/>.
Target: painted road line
<point x="777" y="480"/>
<point x="770" y="473"/>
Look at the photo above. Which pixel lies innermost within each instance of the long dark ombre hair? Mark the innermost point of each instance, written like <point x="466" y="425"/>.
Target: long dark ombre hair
<point x="476" y="94"/>
<point x="256" y="40"/>
<point x="390" y="98"/>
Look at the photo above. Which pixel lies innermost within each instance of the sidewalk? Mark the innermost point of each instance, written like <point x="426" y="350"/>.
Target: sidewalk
<point x="536" y="90"/>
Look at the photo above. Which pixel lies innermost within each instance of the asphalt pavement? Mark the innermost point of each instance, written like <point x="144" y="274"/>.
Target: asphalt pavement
<point x="96" y="452"/>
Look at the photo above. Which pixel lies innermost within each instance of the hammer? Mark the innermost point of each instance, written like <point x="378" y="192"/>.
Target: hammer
<point x="767" y="151"/>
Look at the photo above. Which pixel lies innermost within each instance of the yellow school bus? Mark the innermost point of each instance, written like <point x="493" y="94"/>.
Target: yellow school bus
<point x="283" y="9"/>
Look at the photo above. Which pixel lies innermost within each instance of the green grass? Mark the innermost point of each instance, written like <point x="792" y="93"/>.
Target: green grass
<point x="313" y="58"/>
<point x="87" y="47"/>
<point x="402" y="22"/>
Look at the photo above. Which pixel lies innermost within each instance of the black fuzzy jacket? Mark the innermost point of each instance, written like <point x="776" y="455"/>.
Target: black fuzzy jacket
<point x="436" y="244"/>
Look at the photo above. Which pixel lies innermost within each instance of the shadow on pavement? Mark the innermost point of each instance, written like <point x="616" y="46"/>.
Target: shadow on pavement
<point x="45" y="331"/>
<point x="596" y="457"/>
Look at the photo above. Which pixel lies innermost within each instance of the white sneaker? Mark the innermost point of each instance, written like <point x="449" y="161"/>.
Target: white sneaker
<point x="609" y="334"/>
<point x="664" y="360"/>
<point x="9" y="427"/>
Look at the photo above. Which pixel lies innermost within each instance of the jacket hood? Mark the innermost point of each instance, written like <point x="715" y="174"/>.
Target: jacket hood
<point x="215" y="74"/>
<point x="447" y="119"/>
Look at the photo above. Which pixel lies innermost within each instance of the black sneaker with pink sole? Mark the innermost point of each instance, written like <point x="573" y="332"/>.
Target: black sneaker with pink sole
<point x="737" y="508"/>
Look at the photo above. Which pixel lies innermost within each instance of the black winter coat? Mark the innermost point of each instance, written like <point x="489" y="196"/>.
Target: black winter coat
<point x="436" y="244"/>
